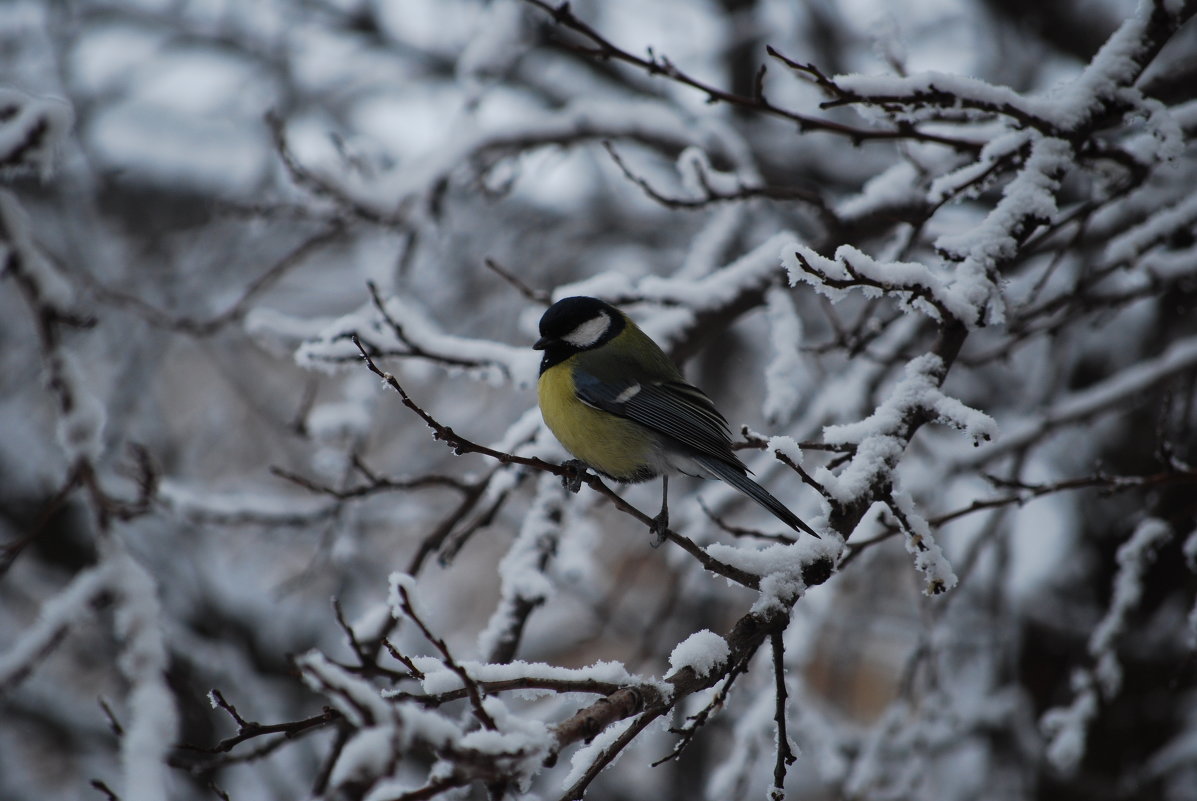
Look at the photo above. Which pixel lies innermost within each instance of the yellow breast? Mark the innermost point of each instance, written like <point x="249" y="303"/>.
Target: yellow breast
<point x="609" y="444"/>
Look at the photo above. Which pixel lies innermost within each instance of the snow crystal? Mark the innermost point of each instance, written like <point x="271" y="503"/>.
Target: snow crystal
<point x="1067" y="726"/>
<point x="914" y="285"/>
<point x="970" y="174"/>
<point x="171" y="147"/>
<point x="703" y="651"/>
<point x="708" y="245"/>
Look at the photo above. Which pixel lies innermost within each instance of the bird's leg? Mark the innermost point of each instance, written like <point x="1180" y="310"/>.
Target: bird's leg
<point x="572" y="479"/>
<point x="660" y="523"/>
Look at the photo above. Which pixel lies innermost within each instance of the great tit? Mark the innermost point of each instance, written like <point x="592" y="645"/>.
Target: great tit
<point x="620" y="405"/>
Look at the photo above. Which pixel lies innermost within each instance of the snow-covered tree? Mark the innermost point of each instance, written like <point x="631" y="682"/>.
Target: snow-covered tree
<point x="271" y="272"/>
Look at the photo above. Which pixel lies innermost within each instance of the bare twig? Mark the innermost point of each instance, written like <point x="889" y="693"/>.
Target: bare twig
<point x="538" y="296"/>
<point x="473" y="692"/>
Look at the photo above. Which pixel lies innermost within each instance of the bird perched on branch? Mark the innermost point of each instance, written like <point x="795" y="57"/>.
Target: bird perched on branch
<point x="620" y="405"/>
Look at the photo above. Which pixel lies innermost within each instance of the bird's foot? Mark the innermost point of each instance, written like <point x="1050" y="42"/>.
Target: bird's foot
<point x="572" y="478"/>
<point x="659" y="528"/>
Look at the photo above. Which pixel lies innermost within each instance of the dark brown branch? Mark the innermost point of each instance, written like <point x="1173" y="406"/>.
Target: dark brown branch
<point x="785" y="756"/>
<point x="250" y="729"/>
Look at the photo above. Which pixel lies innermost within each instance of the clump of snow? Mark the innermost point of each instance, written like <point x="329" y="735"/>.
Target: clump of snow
<point x="785" y="446"/>
<point x="914" y="285"/>
<point x="879" y="437"/>
<point x="703" y="651"/>
<point x="929" y="558"/>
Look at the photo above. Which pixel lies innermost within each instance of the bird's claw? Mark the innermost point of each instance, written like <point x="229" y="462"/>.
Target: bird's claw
<point x="572" y="478"/>
<point x="659" y="528"/>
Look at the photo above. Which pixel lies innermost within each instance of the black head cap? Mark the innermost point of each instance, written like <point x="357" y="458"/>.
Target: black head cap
<point x="575" y="324"/>
<point x="567" y="314"/>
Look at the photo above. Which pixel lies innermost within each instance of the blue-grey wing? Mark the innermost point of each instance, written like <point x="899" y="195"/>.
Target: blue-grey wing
<point x="673" y="408"/>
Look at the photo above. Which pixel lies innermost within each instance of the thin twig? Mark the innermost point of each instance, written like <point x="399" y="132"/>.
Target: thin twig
<point x="785" y="756"/>
<point x="538" y="296"/>
<point x="472" y="690"/>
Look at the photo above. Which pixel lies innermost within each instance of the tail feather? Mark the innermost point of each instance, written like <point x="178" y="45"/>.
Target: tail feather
<point x="734" y="476"/>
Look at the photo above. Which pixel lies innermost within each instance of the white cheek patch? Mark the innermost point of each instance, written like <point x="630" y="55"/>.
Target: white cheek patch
<point x="627" y="394"/>
<point x="588" y="332"/>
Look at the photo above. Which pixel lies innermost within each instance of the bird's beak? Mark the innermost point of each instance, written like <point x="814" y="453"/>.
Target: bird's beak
<point x="542" y="343"/>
